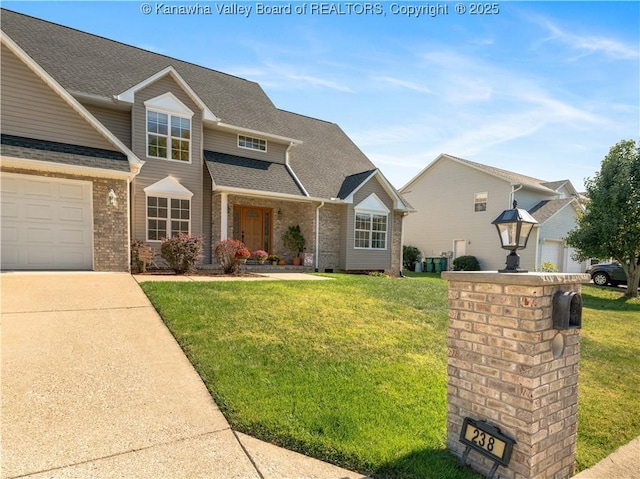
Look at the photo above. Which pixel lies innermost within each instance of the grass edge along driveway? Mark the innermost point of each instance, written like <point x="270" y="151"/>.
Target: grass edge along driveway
<point x="353" y="371"/>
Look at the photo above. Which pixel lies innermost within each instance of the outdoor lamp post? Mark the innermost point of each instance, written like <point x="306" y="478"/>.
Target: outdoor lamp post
<point x="514" y="227"/>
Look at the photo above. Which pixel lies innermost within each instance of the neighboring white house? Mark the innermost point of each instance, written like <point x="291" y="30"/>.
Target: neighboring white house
<point x="456" y="201"/>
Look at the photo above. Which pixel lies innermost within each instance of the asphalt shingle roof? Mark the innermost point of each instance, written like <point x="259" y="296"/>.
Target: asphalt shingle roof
<point x="326" y="158"/>
<point x="546" y="209"/>
<point x="239" y="172"/>
<point x="29" y="148"/>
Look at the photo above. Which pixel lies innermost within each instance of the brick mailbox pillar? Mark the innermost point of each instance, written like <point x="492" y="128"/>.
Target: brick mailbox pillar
<point x="513" y="368"/>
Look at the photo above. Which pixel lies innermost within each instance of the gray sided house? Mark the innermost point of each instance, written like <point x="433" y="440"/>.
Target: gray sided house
<point x="456" y="200"/>
<point x="103" y="143"/>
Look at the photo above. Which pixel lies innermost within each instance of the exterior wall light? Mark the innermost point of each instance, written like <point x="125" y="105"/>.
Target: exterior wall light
<point x="514" y="227"/>
<point x="112" y="199"/>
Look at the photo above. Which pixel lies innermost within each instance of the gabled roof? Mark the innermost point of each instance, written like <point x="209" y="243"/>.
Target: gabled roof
<point x="134" y="162"/>
<point x="510" y="176"/>
<point x="92" y="65"/>
<point x="230" y="171"/>
<point x="352" y="182"/>
<point x="544" y="210"/>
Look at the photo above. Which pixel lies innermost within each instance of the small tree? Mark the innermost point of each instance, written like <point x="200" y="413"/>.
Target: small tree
<point x="225" y="252"/>
<point x="294" y="240"/>
<point x="182" y="252"/>
<point x="610" y="226"/>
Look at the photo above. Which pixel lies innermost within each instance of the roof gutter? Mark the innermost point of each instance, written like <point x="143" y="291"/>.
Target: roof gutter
<point x="66" y="168"/>
<point x="271" y="194"/>
<point x="249" y="131"/>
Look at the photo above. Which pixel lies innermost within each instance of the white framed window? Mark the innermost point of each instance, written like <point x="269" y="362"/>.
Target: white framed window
<point x="168" y="209"/>
<point x="252" y="143"/>
<point x="168" y="136"/>
<point x="167" y="217"/>
<point x="370" y="231"/>
<point x="480" y="202"/>
<point x="371" y="224"/>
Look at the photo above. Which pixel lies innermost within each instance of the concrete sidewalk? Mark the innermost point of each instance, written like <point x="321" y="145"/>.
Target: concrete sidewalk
<point x="141" y="278"/>
<point x="94" y="385"/>
<point x="622" y="464"/>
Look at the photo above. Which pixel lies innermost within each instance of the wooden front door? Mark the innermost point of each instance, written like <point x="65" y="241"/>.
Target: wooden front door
<point x="252" y="226"/>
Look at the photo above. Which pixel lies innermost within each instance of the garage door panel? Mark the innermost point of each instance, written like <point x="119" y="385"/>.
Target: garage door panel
<point x="73" y="214"/>
<point x="10" y="209"/>
<point x="71" y="237"/>
<point x="9" y="233"/>
<point x="71" y="192"/>
<point x="47" y="223"/>
<point x="38" y="235"/>
<point x="10" y="187"/>
<point x="38" y="211"/>
<point x="38" y="188"/>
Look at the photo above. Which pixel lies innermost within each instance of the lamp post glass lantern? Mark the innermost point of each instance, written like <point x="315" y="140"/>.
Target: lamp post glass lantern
<point x="514" y="227"/>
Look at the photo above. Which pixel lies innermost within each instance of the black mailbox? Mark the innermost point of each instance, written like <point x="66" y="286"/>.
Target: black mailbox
<point x="567" y="310"/>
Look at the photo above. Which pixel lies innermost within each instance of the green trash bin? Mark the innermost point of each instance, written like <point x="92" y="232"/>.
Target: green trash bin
<point x="429" y="265"/>
<point x="437" y="263"/>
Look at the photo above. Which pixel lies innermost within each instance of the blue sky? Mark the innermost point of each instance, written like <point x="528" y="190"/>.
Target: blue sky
<point x="542" y="88"/>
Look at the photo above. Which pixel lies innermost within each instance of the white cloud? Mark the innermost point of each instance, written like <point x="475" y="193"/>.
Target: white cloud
<point x="590" y="44"/>
<point x="319" y="82"/>
<point x="397" y="82"/>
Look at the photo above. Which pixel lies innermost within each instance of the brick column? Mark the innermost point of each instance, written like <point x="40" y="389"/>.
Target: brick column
<point x="507" y="365"/>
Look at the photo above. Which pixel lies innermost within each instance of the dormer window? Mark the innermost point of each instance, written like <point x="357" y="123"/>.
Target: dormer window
<point x="252" y="143"/>
<point x="168" y="128"/>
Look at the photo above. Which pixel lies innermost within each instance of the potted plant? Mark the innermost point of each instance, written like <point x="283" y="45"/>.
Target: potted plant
<point x="260" y="256"/>
<point x="242" y="254"/>
<point x="294" y="241"/>
<point x="274" y="258"/>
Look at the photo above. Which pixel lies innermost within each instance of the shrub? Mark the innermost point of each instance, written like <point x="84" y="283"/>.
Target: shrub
<point x="182" y="252"/>
<point x="136" y="245"/>
<point x="548" y="267"/>
<point x="410" y="256"/>
<point x="225" y="252"/>
<point x="466" y="263"/>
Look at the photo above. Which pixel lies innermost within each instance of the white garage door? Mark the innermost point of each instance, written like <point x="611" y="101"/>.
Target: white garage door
<point x="552" y="252"/>
<point x="46" y="223"/>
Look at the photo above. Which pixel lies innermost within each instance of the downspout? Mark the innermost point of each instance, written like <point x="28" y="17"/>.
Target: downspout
<point x="129" y="218"/>
<point x="512" y="195"/>
<point x="317" y="253"/>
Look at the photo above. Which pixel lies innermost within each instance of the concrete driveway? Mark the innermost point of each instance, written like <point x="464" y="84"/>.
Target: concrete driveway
<point x="94" y="385"/>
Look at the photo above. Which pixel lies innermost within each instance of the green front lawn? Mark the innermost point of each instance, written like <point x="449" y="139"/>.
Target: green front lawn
<point x="353" y="371"/>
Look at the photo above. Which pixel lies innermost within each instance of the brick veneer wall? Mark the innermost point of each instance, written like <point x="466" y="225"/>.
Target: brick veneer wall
<point x="502" y="369"/>
<point x="110" y="224"/>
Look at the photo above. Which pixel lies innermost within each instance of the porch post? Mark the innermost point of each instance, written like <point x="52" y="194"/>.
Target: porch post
<point x="224" y="216"/>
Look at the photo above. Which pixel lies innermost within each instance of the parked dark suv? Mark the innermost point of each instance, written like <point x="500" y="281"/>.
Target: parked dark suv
<point x="609" y="273"/>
